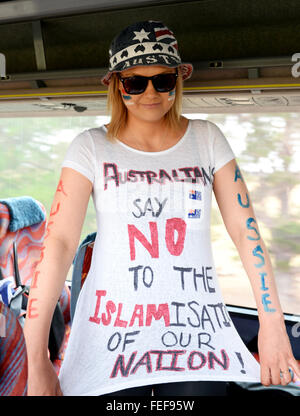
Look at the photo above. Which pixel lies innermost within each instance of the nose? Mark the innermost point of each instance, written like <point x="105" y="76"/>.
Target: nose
<point x="150" y="88"/>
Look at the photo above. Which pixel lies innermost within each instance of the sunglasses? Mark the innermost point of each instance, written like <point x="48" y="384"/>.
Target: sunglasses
<point x="137" y="84"/>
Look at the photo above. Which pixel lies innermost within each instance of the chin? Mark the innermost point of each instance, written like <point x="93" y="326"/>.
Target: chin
<point x="151" y="116"/>
<point x="153" y="119"/>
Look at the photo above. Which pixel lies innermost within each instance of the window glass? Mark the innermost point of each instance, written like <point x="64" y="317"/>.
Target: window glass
<point x="267" y="149"/>
<point x="32" y="150"/>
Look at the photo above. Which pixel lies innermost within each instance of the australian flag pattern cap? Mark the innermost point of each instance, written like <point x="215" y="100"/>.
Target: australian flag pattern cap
<point x="145" y="43"/>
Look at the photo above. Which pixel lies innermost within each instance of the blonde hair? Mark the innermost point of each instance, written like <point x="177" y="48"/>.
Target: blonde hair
<point x="119" y="112"/>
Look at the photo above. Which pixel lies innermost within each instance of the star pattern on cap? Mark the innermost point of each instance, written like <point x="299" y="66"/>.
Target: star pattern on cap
<point x="140" y="36"/>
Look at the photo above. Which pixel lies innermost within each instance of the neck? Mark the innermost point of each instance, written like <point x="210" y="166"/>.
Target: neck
<point x="146" y="132"/>
<point x="151" y="136"/>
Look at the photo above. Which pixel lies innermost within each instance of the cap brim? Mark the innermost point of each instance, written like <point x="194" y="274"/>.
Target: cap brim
<point x="186" y="70"/>
<point x="106" y="79"/>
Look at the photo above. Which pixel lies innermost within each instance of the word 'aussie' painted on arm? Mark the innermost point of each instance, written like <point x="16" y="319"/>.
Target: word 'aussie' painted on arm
<point x="257" y="251"/>
<point x="32" y="310"/>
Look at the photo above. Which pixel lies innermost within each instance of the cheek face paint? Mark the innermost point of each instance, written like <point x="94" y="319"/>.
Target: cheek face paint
<point x="126" y="98"/>
<point x="171" y="95"/>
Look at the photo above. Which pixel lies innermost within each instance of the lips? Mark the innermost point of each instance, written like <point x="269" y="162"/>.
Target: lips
<point x="151" y="105"/>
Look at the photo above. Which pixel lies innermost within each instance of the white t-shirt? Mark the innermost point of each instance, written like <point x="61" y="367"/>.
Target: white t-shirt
<point x="150" y="310"/>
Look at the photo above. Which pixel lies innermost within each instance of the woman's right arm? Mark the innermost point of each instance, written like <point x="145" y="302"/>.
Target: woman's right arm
<point x="65" y="222"/>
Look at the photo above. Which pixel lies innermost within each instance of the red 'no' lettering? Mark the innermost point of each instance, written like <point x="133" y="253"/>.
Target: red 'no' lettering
<point x="172" y="225"/>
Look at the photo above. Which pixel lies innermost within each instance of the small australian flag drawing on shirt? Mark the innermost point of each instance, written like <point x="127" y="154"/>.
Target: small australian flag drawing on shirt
<point x="193" y="194"/>
<point x="194" y="213"/>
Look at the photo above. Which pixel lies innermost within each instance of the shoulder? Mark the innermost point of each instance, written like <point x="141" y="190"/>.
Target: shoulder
<point x="97" y="131"/>
<point x="204" y="126"/>
<point x="199" y="123"/>
<point x="90" y="137"/>
<point x="94" y="133"/>
<point x="205" y="130"/>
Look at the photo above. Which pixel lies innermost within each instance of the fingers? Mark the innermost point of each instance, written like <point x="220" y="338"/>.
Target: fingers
<point x="270" y="375"/>
<point x="265" y="375"/>
<point x="295" y="370"/>
<point x="284" y="373"/>
<point x="279" y="375"/>
<point x="275" y="375"/>
<point x="285" y="376"/>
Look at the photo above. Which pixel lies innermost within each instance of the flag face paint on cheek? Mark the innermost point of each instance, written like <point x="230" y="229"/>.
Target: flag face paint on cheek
<point x="171" y="95"/>
<point x="126" y="98"/>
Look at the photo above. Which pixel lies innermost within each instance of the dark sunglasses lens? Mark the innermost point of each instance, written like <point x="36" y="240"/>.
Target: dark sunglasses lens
<point x="164" y="82"/>
<point x="135" y="85"/>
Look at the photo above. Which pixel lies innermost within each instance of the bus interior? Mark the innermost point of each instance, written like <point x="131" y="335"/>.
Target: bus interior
<point x="246" y="78"/>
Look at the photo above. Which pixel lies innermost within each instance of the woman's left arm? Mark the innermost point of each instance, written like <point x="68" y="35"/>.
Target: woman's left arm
<point x="234" y="202"/>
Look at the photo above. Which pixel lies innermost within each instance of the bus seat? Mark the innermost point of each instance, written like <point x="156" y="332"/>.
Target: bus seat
<point x="81" y="266"/>
<point x="28" y="233"/>
<point x="13" y="356"/>
<point x="23" y="224"/>
<point x="23" y="220"/>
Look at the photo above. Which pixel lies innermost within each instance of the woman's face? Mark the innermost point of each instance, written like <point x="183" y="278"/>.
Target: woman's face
<point x="151" y="105"/>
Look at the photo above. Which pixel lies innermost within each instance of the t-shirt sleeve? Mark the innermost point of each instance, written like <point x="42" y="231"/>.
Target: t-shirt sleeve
<point x="80" y="155"/>
<point x="221" y="149"/>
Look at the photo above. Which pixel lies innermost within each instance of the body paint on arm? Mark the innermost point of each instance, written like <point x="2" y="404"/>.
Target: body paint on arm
<point x="32" y="311"/>
<point x="262" y="279"/>
<point x="266" y="302"/>
<point x="257" y="251"/>
<point x="56" y="210"/>
<point x="247" y="204"/>
<point x="237" y="174"/>
<point x="48" y="230"/>
<point x="250" y="227"/>
<point x="52" y="213"/>
<point x="60" y="188"/>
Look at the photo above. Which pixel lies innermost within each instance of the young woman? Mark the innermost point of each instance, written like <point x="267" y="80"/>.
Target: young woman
<point x="150" y="316"/>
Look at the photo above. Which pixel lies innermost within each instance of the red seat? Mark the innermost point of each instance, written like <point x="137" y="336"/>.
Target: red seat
<point x="13" y="357"/>
<point x="29" y="243"/>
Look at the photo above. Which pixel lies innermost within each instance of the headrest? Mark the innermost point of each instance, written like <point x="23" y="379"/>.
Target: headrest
<point x="24" y="211"/>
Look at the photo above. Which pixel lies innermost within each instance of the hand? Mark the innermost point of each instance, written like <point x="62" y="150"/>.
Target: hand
<point x="276" y="356"/>
<point x="43" y="380"/>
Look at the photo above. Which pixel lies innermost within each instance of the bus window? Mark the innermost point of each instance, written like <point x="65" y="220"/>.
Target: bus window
<point x="268" y="153"/>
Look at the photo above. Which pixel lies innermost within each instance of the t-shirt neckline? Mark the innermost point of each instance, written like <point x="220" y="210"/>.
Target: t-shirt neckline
<point x="161" y="152"/>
